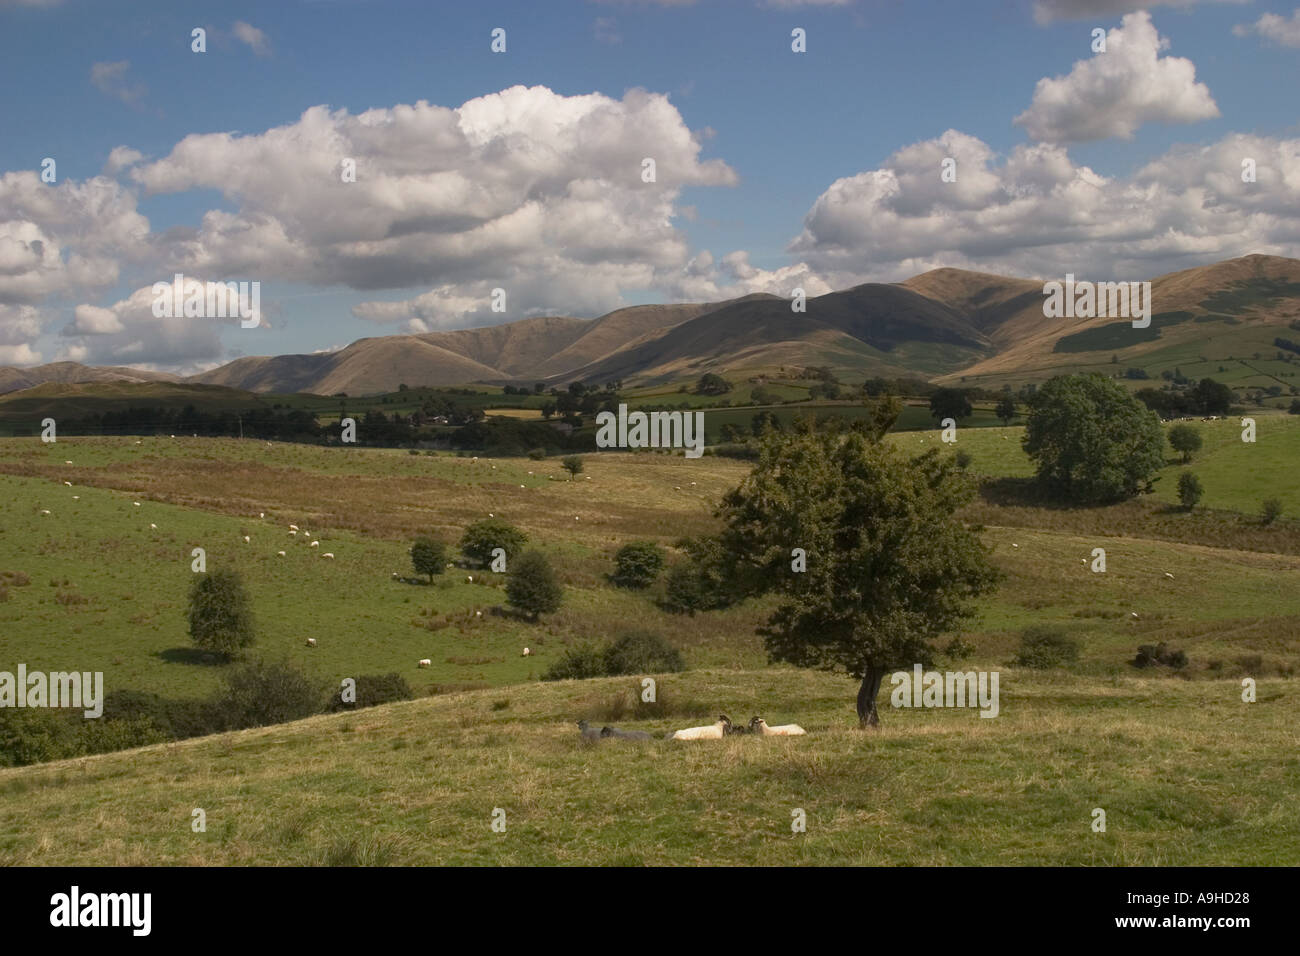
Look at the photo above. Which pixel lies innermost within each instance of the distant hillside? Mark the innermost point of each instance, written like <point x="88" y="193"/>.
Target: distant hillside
<point x="12" y="379"/>
<point x="950" y="326"/>
<point x="66" y="402"/>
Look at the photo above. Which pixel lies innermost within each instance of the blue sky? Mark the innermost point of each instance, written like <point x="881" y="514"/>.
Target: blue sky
<point x="1101" y="181"/>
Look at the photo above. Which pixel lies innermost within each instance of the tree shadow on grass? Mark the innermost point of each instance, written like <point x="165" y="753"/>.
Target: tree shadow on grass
<point x="1021" y="492"/>
<point x="192" y="655"/>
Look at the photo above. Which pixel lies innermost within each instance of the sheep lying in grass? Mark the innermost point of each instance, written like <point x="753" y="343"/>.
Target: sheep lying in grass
<point x="715" y="731"/>
<point x="625" y="734"/>
<point x="589" y="732"/>
<point x="759" y="725"/>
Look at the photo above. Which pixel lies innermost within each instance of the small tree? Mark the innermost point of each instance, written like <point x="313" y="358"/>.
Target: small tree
<point x="711" y="383"/>
<point x="428" y="556"/>
<point x="531" y="585"/>
<point x="1006" y="409"/>
<point x="1270" y="511"/>
<point x="572" y="464"/>
<point x="1189" y="490"/>
<point x="1185" y="439"/>
<point x="637" y="564"/>
<point x="482" y="537"/>
<point x="220" y="616"/>
<point x="950" y="403"/>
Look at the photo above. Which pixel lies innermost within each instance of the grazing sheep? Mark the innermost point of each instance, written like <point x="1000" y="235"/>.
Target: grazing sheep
<point x="261" y="514"/>
<point x="293" y="527"/>
<point x="44" y="511"/>
<point x="328" y="554"/>
<point x="153" y="527"/>
<point x="136" y="503"/>
<point x="311" y="642"/>
<point x="712" y="732"/>
<point x="527" y="653"/>
<point x="315" y="544"/>
<point x="293" y="534"/>
<point x="247" y="540"/>
<point x="280" y="553"/>
<point x="68" y="483"/>
<point x="1169" y="576"/>
<point x="625" y="734"/>
<point x="759" y="725"/>
<point x="76" y="497"/>
<point x="424" y="663"/>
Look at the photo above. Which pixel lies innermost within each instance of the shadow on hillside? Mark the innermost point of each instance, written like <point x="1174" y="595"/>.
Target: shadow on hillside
<point x="1020" y="492"/>
<point x="192" y="655"/>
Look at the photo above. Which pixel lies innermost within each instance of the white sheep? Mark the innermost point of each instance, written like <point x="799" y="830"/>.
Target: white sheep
<point x="153" y="527"/>
<point x="759" y="725"/>
<point x="45" y="511"/>
<point x="280" y="553"/>
<point x="76" y="497"/>
<point x="526" y="653"/>
<point x="293" y="534"/>
<point x="315" y="544"/>
<point x="311" y="642"/>
<point x="714" y="731"/>
<point x="67" y="462"/>
<point x="328" y="554"/>
<point x="293" y="527"/>
<point x="425" y="663"/>
<point x="247" y="540"/>
<point x="136" y="503"/>
<point x="68" y="483"/>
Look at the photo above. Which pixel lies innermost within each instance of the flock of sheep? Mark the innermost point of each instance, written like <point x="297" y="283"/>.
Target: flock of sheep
<point x="715" y="731"/>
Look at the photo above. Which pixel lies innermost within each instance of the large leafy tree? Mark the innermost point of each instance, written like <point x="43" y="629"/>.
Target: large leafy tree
<point x="1092" y="441"/>
<point x="889" y="566"/>
<point x="532" y="586"/>
<point x="951" y="403"/>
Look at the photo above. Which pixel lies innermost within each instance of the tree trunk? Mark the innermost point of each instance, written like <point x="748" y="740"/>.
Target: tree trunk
<point x="867" y="716"/>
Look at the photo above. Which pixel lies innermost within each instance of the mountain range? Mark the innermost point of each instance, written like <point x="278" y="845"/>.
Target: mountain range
<point x="946" y="325"/>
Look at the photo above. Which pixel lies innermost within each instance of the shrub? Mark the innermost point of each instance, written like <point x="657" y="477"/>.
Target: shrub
<point x="1159" y="655"/>
<point x="572" y="464"/>
<point x="219" y="614"/>
<point x="1189" y="490"/>
<point x="1042" y="646"/>
<point x="577" y="663"/>
<point x="1185" y="439"/>
<point x="1270" y="511"/>
<point x="642" y="652"/>
<point x="428" y="556"/>
<point x="537" y="454"/>
<point x="260" y="693"/>
<point x="958" y="649"/>
<point x="374" y="689"/>
<point x="637" y="564"/>
<point x="483" y="536"/>
<point x="532" y="586"/>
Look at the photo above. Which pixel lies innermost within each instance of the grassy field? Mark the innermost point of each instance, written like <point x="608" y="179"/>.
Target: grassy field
<point x="417" y="782"/>
<point x="1187" y="773"/>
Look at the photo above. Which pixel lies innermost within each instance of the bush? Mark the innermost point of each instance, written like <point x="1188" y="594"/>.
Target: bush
<point x="577" y="663"/>
<point x="532" y="586"/>
<point x="483" y="536"/>
<point x="1189" y="490"/>
<point x="1185" y="439"/>
<point x="1270" y="511"/>
<point x="219" y="614"/>
<point x="1042" y="646"/>
<point x="1159" y="655"/>
<point x="637" y="564"/>
<point x="572" y="464"/>
<point x="537" y="454"/>
<point x="374" y="689"/>
<point x="260" y="693"/>
<point x="958" y="649"/>
<point x="428" y="556"/>
<point x="642" y="652"/>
